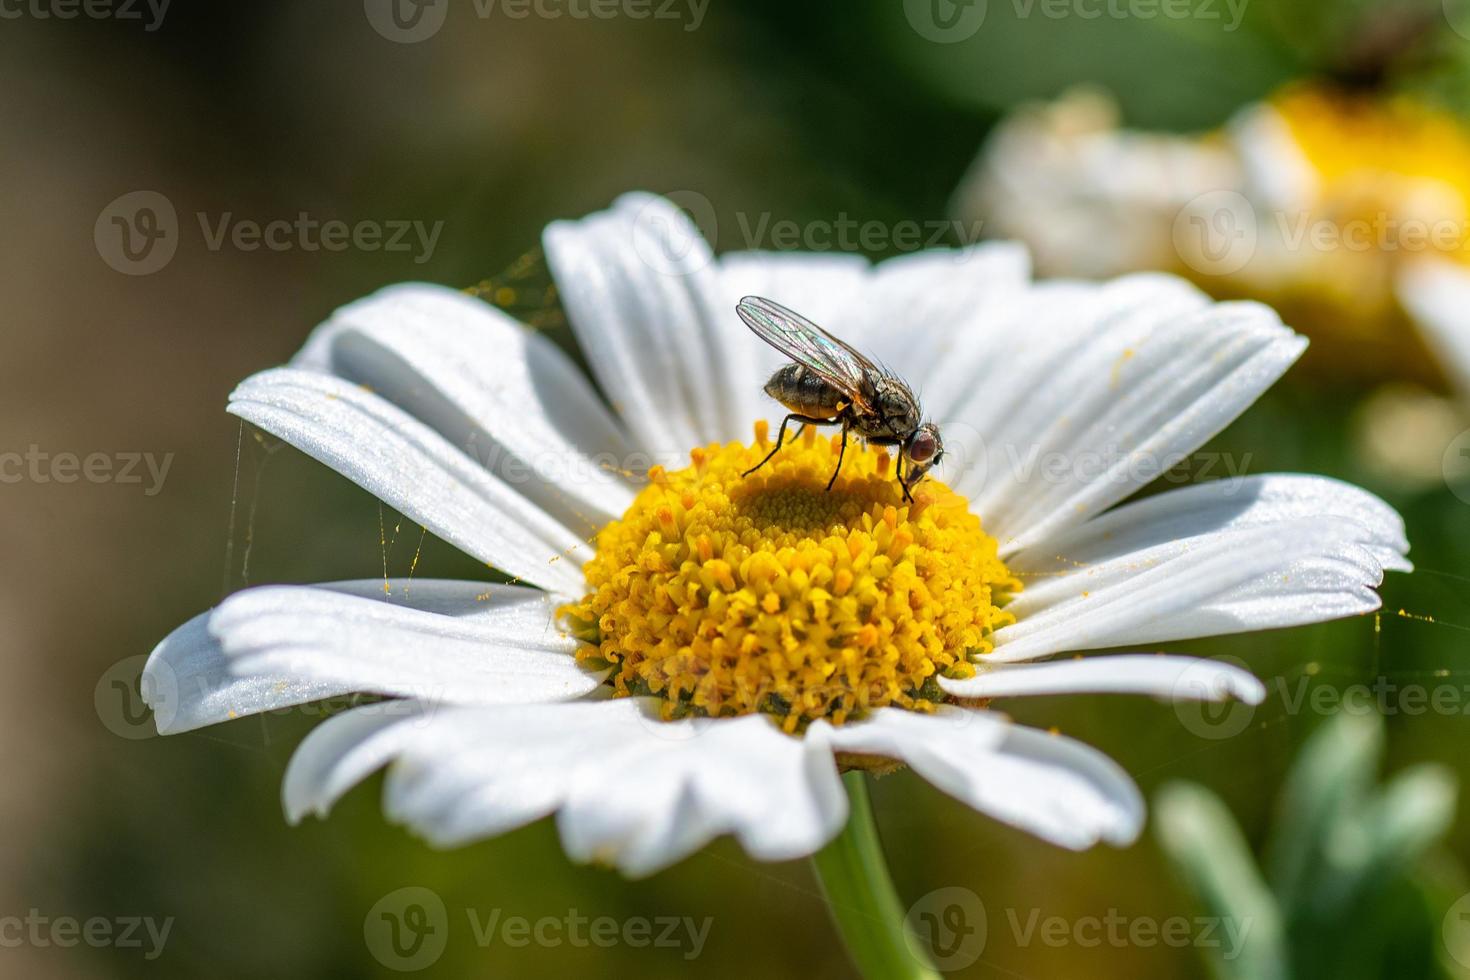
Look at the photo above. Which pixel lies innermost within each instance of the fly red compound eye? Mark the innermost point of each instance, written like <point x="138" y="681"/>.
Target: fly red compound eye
<point x="923" y="447"/>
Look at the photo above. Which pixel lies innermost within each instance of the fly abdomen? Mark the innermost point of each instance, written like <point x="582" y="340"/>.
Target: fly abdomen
<point x="804" y="392"/>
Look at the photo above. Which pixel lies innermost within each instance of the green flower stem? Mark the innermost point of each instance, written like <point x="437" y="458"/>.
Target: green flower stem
<point x="859" y="891"/>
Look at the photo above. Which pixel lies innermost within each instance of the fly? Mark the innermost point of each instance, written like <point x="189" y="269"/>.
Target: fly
<point x="829" y="383"/>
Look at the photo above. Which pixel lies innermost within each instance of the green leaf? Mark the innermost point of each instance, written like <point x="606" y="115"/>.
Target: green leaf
<point x="1412" y="813"/>
<point x="1327" y="784"/>
<point x="1206" y="846"/>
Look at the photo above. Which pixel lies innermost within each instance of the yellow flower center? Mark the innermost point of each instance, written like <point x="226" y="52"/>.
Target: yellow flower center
<point x="725" y="594"/>
<point x="1376" y="154"/>
<point x="1391" y="180"/>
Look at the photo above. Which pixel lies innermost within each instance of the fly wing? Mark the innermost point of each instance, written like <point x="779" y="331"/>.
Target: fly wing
<point x="810" y="346"/>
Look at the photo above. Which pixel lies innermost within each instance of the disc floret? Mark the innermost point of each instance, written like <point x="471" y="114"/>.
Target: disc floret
<point x="726" y="595"/>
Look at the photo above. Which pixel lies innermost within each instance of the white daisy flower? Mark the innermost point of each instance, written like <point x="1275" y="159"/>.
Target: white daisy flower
<point x="1349" y="212"/>
<point x="1088" y="197"/>
<point x="689" y="652"/>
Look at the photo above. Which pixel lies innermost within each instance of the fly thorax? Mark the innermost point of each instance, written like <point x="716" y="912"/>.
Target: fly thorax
<point x="898" y="408"/>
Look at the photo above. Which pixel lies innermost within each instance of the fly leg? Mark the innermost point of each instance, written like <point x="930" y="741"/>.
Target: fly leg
<point x="898" y="473"/>
<point x="781" y="436"/>
<point x="840" y="453"/>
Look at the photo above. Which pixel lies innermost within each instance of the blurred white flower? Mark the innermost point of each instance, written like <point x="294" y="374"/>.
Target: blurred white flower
<point x="1058" y="401"/>
<point x="1089" y="198"/>
<point x="1347" y="212"/>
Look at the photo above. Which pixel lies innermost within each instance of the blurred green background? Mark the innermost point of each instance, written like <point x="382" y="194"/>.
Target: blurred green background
<point x="496" y="126"/>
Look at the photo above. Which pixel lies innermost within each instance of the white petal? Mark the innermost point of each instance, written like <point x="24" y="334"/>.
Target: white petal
<point x="502" y="393"/>
<point x="779" y="795"/>
<point x="1056" y="788"/>
<point x="482" y="645"/>
<point x="1220" y="505"/>
<point x="641" y="292"/>
<point x="279" y="646"/>
<point x="1076" y="396"/>
<point x="1283" y="573"/>
<point x="822" y="286"/>
<point x="629" y="790"/>
<point x="1436" y="292"/>
<point x="343" y="751"/>
<point x="919" y="309"/>
<point x="1171" y="678"/>
<point x="403" y="462"/>
<point x="188" y="685"/>
<point x="1028" y="334"/>
<point x="1277" y="173"/>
